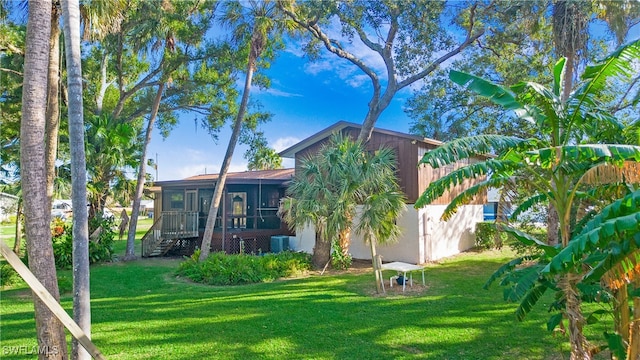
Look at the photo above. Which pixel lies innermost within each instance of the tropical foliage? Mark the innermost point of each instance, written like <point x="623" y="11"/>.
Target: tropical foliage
<point x="330" y="186"/>
<point x="223" y="269"/>
<point x="580" y="180"/>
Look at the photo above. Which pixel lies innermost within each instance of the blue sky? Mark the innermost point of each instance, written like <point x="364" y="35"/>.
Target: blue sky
<point x="304" y="98"/>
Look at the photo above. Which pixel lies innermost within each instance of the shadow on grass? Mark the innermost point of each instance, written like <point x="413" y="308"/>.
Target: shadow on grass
<point x="140" y="311"/>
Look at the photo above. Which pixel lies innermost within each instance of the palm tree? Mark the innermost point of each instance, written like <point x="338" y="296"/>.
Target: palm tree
<point x="254" y="27"/>
<point x="328" y="188"/>
<point x="265" y="158"/>
<point x="32" y="131"/>
<point x="81" y="289"/>
<point x="554" y="165"/>
<point x="162" y="28"/>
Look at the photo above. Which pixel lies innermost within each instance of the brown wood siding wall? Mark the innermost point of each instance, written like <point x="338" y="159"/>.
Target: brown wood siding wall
<point x="413" y="180"/>
<point x="427" y="174"/>
<point x="406" y="158"/>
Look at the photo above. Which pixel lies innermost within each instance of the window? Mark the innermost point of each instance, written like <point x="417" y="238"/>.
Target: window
<point x="238" y="202"/>
<point x="173" y="200"/>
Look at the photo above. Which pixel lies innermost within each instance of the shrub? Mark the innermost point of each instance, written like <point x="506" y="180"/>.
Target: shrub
<point x="339" y="261"/>
<point x="488" y="237"/>
<point x="100" y="249"/>
<point x="8" y="276"/>
<point x="222" y="269"/>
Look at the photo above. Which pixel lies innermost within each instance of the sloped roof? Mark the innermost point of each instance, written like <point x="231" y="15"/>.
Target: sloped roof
<point x="244" y="177"/>
<point x="291" y="151"/>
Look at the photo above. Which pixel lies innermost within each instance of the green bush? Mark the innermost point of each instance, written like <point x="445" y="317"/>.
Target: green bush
<point x="222" y="269"/>
<point x="8" y="276"/>
<point x="487" y="236"/>
<point x="339" y="261"/>
<point x="100" y="250"/>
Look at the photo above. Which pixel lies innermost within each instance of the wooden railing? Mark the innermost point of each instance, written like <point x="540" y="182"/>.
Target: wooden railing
<point x="170" y="225"/>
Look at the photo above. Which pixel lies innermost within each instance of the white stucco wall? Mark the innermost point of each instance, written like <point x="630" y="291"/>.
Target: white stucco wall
<point x="424" y="237"/>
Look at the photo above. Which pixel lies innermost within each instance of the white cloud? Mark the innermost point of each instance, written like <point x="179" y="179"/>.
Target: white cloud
<point x="205" y="168"/>
<point x="357" y="80"/>
<point x="285" y="142"/>
<point x="280" y="93"/>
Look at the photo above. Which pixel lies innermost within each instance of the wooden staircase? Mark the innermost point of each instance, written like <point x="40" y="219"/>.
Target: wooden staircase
<point x="167" y="230"/>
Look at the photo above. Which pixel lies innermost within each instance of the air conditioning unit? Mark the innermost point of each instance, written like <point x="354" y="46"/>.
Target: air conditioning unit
<point x="279" y="243"/>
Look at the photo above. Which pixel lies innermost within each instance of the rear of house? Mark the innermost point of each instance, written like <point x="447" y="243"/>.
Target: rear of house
<point x="425" y="237"/>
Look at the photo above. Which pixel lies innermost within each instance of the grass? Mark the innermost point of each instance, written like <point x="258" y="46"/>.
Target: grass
<point x="140" y="310"/>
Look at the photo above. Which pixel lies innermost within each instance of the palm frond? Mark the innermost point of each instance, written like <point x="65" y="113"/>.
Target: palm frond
<point x="624" y="271"/>
<point x="578" y="154"/>
<point x="506" y="268"/>
<point x="495" y="93"/>
<point x="606" y="173"/>
<point x="472" y="171"/>
<point x="528" y="204"/>
<point x="470" y="193"/>
<point x="529" y="301"/>
<point x="523" y="279"/>
<point x="527" y="239"/>
<point x="473" y="146"/>
<point x="619" y="220"/>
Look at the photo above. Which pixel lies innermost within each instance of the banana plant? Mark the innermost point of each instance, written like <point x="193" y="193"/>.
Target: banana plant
<point x="557" y="168"/>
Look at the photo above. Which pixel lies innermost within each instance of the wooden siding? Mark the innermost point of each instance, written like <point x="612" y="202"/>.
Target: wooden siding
<point x="406" y="158"/>
<point x="413" y="179"/>
<point x="427" y="174"/>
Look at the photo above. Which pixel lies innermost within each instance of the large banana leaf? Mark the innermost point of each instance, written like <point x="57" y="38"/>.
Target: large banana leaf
<point x="507" y="268"/>
<point x="528" y="204"/>
<point x="472" y="171"/>
<point x="577" y="154"/>
<point x="467" y="195"/>
<point x="527" y="239"/>
<point x="474" y="146"/>
<point x="616" y="222"/>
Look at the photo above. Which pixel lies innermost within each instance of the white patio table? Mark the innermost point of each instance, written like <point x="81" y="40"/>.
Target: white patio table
<point x="404" y="268"/>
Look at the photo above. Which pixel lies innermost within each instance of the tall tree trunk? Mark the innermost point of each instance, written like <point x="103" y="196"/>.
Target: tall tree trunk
<point x="376" y="265"/>
<point x="81" y="292"/>
<point x="135" y="211"/>
<point x="621" y="312"/>
<point x="321" y="250"/>
<point x="226" y="162"/>
<point x="32" y="160"/>
<point x="579" y="344"/>
<point x="53" y="106"/>
<point x="344" y="238"/>
<point x="17" y="245"/>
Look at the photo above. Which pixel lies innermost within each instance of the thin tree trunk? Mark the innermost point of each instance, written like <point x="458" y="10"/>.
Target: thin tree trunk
<point x="17" y="245"/>
<point x="621" y="312"/>
<point x="579" y="344"/>
<point x="32" y="154"/>
<point x="226" y="163"/>
<point x="345" y="240"/>
<point x="53" y="106"/>
<point x="376" y="266"/>
<point x="321" y="250"/>
<point x="135" y="211"/>
<point x="81" y="292"/>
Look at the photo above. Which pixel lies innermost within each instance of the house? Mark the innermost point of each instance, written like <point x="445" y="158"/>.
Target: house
<point x="425" y="237"/>
<point x="246" y="221"/>
<point x="8" y="206"/>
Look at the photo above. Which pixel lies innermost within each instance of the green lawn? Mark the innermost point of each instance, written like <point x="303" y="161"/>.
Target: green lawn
<point x="140" y="310"/>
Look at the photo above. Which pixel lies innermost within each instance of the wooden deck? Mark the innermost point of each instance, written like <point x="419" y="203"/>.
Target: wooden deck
<point x="176" y="233"/>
